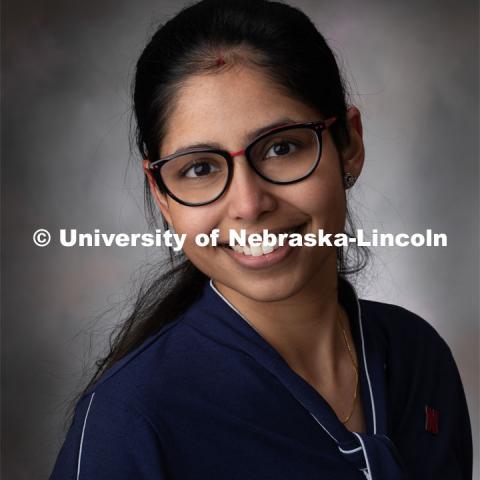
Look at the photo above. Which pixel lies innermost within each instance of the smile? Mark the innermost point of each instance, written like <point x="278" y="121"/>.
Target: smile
<point x="272" y="240"/>
<point x="262" y="256"/>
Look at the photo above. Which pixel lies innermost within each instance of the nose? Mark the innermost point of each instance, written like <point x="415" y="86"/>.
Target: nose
<point x="248" y="195"/>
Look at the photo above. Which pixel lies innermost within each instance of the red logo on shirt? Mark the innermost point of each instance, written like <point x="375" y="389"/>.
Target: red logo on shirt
<point x="431" y="420"/>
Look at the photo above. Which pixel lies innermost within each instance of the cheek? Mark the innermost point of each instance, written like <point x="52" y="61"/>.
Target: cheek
<point x="320" y="192"/>
<point x="326" y="207"/>
<point x="322" y="197"/>
<point x="192" y="221"/>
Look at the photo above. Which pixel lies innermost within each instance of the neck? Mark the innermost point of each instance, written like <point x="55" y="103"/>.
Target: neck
<point x="302" y="328"/>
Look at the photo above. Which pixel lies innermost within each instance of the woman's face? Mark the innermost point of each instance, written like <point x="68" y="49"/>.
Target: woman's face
<point x="224" y="108"/>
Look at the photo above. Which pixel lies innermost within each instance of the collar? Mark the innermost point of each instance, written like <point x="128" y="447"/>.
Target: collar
<point x="349" y="300"/>
<point x="372" y="451"/>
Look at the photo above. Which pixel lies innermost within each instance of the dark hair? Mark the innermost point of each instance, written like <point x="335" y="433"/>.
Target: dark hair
<point x="271" y="36"/>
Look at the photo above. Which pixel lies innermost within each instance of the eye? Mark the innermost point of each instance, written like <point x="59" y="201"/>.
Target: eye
<point x="199" y="168"/>
<point x="280" y="148"/>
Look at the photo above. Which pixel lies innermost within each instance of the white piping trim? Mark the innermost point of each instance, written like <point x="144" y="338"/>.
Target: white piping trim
<point x="318" y="421"/>
<point x="224" y="299"/>
<point x="365" y="363"/>
<point x="230" y="305"/>
<point x="367" y="473"/>
<point x="81" y="439"/>
<point x="349" y="451"/>
<point x="366" y="374"/>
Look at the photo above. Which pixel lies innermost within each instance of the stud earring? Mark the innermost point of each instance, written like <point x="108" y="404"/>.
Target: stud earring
<point x="349" y="180"/>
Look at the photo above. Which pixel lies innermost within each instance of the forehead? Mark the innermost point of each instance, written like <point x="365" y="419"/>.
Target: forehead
<point x="224" y="107"/>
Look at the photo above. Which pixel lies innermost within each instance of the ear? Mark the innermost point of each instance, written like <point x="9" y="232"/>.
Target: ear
<point x="161" y="199"/>
<point x="354" y="154"/>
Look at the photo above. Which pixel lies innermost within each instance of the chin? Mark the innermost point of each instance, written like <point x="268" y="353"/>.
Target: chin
<point x="269" y="289"/>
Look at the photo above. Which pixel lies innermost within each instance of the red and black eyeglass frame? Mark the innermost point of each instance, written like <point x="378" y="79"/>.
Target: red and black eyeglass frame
<point x="317" y="126"/>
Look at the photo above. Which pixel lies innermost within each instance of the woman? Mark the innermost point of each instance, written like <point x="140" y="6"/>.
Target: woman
<point x="260" y="363"/>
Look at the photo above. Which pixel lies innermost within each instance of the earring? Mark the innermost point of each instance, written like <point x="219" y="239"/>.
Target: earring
<point x="349" y="180"/>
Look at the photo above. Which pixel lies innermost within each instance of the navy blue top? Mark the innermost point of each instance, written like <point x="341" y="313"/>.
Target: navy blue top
<point x="208" y="397"/>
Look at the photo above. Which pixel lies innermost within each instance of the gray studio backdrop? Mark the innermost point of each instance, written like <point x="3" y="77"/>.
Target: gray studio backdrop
<point x="413" y="72"/>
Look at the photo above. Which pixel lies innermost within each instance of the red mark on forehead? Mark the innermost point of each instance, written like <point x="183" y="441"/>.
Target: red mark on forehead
<point x="220" y="61"/>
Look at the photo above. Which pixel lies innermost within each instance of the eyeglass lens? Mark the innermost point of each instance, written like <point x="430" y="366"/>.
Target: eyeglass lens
<point x="282" y="157"/>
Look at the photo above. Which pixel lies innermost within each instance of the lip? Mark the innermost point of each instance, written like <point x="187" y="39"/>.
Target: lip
<point x="262" y="261"/>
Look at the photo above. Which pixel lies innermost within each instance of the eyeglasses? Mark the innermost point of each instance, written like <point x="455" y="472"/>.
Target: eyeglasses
<point x="284" y="155"/>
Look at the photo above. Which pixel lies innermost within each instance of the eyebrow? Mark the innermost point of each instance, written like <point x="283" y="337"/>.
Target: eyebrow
<point x="249" y="138"/>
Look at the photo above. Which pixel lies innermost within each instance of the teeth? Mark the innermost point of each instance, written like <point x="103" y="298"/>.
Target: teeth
<point x="257" y="251"/>
<point x="268" y="248"/>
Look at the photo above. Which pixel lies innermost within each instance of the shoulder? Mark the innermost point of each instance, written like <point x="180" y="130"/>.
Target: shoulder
<point x="421" y="377"/>
<point x="119" y="422"/>
<point x="150" y="371"/>
<point x="408" y="342"/>
<point x="400" y="325"/>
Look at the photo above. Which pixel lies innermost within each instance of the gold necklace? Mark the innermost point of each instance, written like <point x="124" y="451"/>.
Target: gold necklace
<point x="354" y="366"/>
